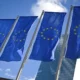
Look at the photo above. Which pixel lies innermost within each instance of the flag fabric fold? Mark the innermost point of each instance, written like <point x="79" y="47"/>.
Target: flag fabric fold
<point x="48" y="35"/>
<point x="5" y="26"/>
<point x="73" y="46"/>
<point x="14" y="49"/>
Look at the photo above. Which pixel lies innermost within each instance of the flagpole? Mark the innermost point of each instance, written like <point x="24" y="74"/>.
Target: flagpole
<point x="8" y="36"/>
<point x="27" y="52"/>
<point x="63" y="45"/>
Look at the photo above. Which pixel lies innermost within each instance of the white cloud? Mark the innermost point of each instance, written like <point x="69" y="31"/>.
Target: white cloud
<point x="48" y="5"/>
<point x="1" y="69"/>
<point x="28" y="78"/>
<point x="24" y="78"/>
<point x="77" y="70"/>
<point x="10" y="75"/>
<point x="31" y="79"/>
<point x="8" y="70"/>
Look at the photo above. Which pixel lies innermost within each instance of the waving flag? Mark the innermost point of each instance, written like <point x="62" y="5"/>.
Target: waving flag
<point x="48" y="36"/>
<point x="5" y="26"/>
<point x="14" y="48"/>
<point x="73" y="47"/>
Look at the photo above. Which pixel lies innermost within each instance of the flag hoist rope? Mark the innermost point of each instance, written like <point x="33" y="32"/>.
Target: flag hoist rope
<point x="27" y="52"/>
<point x="63" y="45"/>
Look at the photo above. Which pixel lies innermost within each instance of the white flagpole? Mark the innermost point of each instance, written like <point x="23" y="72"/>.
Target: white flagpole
<point x="63" y="45"/>
<point x="8" y="36"/>
<point x="27" y="52"/>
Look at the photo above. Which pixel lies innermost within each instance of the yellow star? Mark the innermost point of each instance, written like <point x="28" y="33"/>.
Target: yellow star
<point x="75" y="33"/>
<point x="41" y="35"/>
<point x="74" y="29"/>
<point x="47" y="28"/>
<point x="52" y="39"/>
<point x="48" y="39"/>
<point x="20" y="40"/>
<point x="76" y="26"/>
<point x="54" y="28"/>
<point x="24" y="30"/>
<point x="43" y="29"/>
<point x="44" y="38"/>
<point x="41" y="32"/>
<point x="50" y="27"/>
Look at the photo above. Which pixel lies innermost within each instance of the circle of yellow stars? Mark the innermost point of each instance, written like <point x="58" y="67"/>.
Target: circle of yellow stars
<point x="18" y="33"/>
<point x="47" y="38"/>
<point x="75" y="31"/>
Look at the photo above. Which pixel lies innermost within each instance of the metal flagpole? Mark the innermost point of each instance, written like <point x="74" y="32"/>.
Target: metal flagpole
<point x="63" y="45"/>
<point x="27" y="52"/>
<point x="8" y="36"/>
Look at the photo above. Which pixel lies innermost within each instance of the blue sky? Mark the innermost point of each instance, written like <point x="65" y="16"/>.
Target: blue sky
<point x="13" y="8"/>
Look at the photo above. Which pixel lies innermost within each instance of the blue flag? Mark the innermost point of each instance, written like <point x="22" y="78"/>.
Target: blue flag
<point x="14" y="48"/>
<point x="5" y="26"/>
<point x="48" y="36"/>
<point x="73" y="46"/>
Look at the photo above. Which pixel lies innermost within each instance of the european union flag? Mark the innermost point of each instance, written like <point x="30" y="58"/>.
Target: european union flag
<point x="48" y="35"/>
<point x="73" y="46"/>
<point x="5" y="26"/>
<point x="14" y="48"/>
